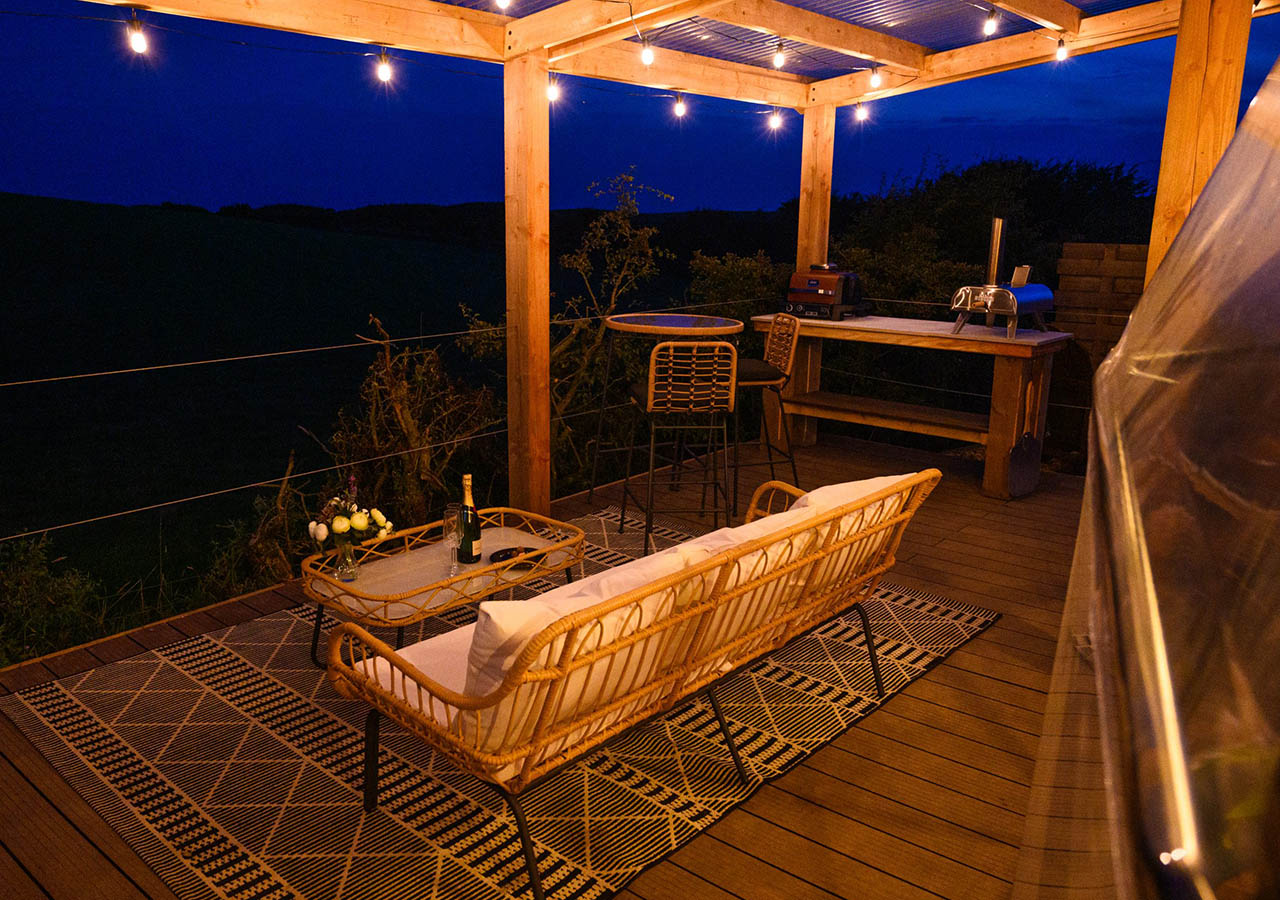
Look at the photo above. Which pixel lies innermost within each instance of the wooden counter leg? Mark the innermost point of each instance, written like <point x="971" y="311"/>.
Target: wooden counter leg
<point x="806" y="376"/>
<point x="1012" y="380"/>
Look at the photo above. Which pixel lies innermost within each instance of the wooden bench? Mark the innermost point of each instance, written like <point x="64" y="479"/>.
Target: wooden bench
<point x="533" y="685"/>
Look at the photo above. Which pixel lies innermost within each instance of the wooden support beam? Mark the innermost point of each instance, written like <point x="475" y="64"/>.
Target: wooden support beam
<point x="1204" y="97"/>
<point x="1055" y="14"/>
<point x="526" y="147"/>
<point x="418" y="25"/>
<point x="796" y="24"/>
<point x="576" y="26"/>
<point x="690" y="74"/>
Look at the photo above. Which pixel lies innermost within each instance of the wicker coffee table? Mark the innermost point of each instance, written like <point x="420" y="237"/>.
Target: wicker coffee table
<point x="406" y="577"/>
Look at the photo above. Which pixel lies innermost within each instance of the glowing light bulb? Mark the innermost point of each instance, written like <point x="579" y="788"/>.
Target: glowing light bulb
<point x="775" y="120"/>
<point x="680" y="108"/>
<point x="989" y="26"/>
<point x="137" y="39"/>
<point x="384" y="68"/>
<point x="502" y="4"/>
<point x="646" y="54"/>
<point x="553" y="91"/>
<point x="780" y="56"/>
<point x="876" y="78"/>
<point x="860" y="113"/>
<point x="1061" y="53"/>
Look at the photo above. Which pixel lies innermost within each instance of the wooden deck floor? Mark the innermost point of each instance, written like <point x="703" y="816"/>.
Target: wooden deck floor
<point x="924" y="798"/>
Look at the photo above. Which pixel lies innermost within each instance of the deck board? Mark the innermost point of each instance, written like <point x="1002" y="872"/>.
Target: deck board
<point x="925" y="798"/>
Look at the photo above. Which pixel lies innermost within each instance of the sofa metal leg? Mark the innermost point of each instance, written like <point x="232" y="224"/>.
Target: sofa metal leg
<point x="526" y="843"/>
<point x="871" y="649"/>
<point x="371" y="761"/>
<point x="315" y="638"/>
<point x="728" y="738"/>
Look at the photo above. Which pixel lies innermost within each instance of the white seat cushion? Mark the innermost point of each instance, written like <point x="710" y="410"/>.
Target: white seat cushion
<point x="828" y="497"/>
<point x="504" y="627"/>
<point x="832" y="496"/>
<point x="442" y="658"/>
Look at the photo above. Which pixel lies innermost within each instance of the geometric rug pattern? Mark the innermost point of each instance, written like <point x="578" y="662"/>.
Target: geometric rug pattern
<point x="230" y="765"/>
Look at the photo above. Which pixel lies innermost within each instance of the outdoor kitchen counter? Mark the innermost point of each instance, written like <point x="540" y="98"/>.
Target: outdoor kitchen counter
<point x="1012" y="432"/>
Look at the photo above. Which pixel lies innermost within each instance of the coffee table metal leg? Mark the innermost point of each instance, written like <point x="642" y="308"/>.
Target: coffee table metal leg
<point x="399" y="637"/>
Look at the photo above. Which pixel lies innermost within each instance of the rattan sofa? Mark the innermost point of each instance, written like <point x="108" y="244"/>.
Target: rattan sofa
<point x="534" y="684"/>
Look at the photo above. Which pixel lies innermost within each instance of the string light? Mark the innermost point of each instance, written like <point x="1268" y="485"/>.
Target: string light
<point x="137" y="38"/>
<point x="680" y="108"/>
<point x="876" y="78"/>
<point x="646" y="54"/>
<point x="384" y="68"/>
<point x="860" y="113"/>
<point x="775" y="120"/>
<point x="502" y="4"/>
<point x="780" y="56"/>
<point x="1061" y="52"/>
<point x="989" y="26"/>
<point x="553" y="90"/>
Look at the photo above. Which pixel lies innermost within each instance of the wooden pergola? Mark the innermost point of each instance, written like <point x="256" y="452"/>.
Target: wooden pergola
<point x="597" y="39"/>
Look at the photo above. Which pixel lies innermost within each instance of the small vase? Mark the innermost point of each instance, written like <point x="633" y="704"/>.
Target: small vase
<point x="345" y="565"/>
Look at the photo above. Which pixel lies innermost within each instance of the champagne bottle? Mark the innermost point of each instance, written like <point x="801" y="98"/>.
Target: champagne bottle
<point x="469" y="526"/>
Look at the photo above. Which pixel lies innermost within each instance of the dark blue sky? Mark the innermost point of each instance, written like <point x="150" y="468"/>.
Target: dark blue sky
<point x="205" y="121"/>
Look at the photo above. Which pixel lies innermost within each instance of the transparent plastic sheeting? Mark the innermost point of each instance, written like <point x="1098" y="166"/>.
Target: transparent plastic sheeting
<point x="1178" y="563"/>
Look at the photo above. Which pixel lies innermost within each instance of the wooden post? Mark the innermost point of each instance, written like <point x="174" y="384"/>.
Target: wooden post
<point x="526" y="134"/>
<point x="1204" y="99"/>
<point x="816" y="151"/>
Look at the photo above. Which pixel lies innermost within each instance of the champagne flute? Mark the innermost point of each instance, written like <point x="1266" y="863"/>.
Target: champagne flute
<point x="450" y="528"/>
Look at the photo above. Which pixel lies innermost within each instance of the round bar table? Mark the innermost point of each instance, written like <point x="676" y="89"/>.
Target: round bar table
<point x="677" y="325"/>
<point x="672" y="326"/>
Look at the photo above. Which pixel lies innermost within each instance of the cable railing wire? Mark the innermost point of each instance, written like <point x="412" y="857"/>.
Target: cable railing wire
<point x="934" y="387"/>
<point x="366" y="342"/>
<point x="271" y="482"/>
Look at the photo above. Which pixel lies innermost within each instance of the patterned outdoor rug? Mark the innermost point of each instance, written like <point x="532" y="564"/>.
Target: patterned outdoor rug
<point x="231" y="766"/>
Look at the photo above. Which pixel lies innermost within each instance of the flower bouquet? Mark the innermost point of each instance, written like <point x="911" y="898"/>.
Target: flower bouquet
<point x="349" y="524"/>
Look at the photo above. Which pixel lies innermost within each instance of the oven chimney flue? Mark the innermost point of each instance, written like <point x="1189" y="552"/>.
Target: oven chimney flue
<point x="995" y="256"/>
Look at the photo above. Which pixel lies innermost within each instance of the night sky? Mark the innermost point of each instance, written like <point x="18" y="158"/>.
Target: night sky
<point x="206" y="121"/>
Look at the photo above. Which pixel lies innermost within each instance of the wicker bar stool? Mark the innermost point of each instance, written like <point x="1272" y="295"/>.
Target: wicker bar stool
<point x="692" y="388"/>
<point x="771" y="373"/>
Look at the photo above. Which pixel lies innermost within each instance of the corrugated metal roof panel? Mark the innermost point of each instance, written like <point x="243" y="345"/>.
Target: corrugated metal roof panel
<point x="935" y="24"/>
